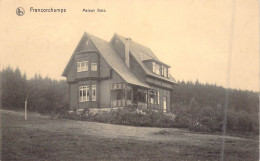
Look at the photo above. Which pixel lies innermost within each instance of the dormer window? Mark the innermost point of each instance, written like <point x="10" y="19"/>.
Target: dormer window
<point x="164" y="71"/>
<point x="82" y="66"/>
<point x="156" y="68"/>
<point x="160" y="69"/>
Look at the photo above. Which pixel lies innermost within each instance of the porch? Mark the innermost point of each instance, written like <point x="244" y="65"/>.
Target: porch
<point x="123" y="94"/>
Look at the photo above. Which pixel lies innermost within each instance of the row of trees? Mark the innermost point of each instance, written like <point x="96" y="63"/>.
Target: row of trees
<point x="188" y="93"/>
<point x="200" y="107"/>
<point x="44" y="94"/>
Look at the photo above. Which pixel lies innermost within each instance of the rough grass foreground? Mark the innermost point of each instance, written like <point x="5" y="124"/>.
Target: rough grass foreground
<point x="41" y="138"/>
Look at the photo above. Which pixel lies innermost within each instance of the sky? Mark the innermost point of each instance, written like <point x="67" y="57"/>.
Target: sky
<point x="194" y="37"/>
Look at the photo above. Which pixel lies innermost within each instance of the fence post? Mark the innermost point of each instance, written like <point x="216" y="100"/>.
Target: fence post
<point x="25" y="108"/>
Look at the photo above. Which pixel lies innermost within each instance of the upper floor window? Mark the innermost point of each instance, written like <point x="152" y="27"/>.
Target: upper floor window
<point x="164" y="71"/>
<point x="160" y="69"/>
<point x="82" y="66"/>
<point x="93" y="66"/>
<point x="156" y="68"/>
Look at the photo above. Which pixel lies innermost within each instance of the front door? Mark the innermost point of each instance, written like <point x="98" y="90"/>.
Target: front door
<point x="164" y="104"/>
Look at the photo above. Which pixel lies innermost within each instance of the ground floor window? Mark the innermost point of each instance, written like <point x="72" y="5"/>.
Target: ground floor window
<point x="164" y="104"/>
<point x="83" y="93"/>
<point x="94" y="90"/>
<point x="158" y="97"/>
<point x="152" y="97"/>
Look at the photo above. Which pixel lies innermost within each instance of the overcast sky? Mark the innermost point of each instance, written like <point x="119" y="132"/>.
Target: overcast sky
<point x="192" y="36"/>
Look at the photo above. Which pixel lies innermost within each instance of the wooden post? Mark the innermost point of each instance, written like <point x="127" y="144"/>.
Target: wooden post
<point x="25" y="108"/>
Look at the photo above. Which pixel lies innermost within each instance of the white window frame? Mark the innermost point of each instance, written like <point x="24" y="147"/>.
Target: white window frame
<point x="78" y="66"/>
<point x="158" y="69"/>
<point x="166" y="72"/>
<point x="158" y="97"/>
<point x="83" y="90"/>
<point x="162" y="71"/>
<point x="94" y="90"/>
<point x="164" y="104"/>
<point x="87" y="93"/>
<point x="82" y="66"/>
<point x="152" y="98"/>
<point x="154" y="67"/>
<point x="86" y="66"/>
<point x="93" y="68"/>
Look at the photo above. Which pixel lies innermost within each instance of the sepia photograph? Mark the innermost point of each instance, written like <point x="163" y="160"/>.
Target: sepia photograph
<point x="140" y="80"/>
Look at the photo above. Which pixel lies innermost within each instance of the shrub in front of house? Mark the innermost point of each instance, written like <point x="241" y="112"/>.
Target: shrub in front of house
<point x="133" y="116"/>
<point x="195" y="118"/>
<point x="210" y="119"/>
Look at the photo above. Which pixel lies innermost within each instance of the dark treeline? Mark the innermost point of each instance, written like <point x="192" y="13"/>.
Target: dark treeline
<point x="189" y="93"/>
<point x="44" y="94"/>
<point x="200" y="107"/>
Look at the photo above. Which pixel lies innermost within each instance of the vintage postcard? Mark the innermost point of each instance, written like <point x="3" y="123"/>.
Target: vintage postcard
<point x="129" y="80"/>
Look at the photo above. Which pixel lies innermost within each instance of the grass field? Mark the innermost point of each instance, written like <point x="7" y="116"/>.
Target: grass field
<point x="41" y="138"/>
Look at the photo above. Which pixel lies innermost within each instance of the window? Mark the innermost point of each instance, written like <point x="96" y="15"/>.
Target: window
<point x="152" y="97"/>
<point x="165" y="72"/>
<point x="164" y="104"/>
<point x="93" y="66"/>
<point x="82" y="66"/>
<point x="78" y="66"/>
<point x="158" y="96"/>
<point x="156" y="68"/>
<point x="117" y="86"/>
<point x="94" y="93"/>
<point x="160" y="69"/>
<point x="142" y="94"/>
<point x="83" y="93"/>
<point x="163" y="69"/>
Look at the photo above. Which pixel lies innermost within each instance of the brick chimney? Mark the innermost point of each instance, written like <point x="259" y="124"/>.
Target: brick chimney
<point x="127" y="43"/>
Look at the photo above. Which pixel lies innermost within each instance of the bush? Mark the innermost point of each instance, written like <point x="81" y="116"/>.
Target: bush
<point x="209" y="119"/>
<point x="127" y="116"/>
<point x="195" y="118"/>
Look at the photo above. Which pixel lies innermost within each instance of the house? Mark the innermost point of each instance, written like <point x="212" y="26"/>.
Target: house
<point x="116" y="74"/>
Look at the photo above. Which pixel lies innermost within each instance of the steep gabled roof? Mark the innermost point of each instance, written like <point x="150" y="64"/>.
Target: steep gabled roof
<point x="65" y="71"/>
<point x="107" y="51"/>
<point x="143" y="53"/>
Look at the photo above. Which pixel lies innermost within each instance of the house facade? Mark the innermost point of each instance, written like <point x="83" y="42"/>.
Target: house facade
<point x="116" y="74"/>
